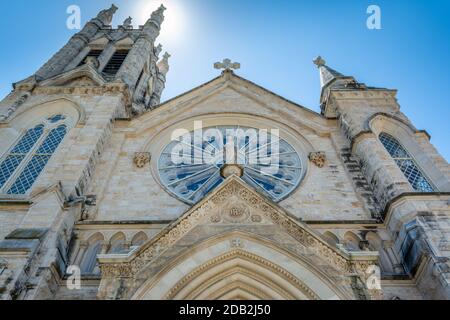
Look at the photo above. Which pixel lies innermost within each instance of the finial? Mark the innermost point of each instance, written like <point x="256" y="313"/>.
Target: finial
<point x="163" y="65"/>
<point x="162" y="8"/>
<point x="158" y="15"/>
<point x="105" y="16"/>
<point x="226" y="64"/>
<point x="158" y="50"/>
<point x="127" y="23"/>
<point x="319" y="62"/>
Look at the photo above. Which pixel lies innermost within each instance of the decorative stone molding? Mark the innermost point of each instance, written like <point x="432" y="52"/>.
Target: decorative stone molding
<point x="93" y="62"/>
<point x="238" y="253"/>
<point x="234" y="187"/>
<point x="232" y="169"/>
<point x="256" y="218"/>
<point x="236" y="213"/>
<point x="236" y="243"/>
<point x="141" y="159"/>
<point x="23" y="98"/>
<point x="111" y="88"/>
<point x="318" y="158"/>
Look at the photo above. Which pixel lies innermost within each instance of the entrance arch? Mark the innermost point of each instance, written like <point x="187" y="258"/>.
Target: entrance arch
<point x="239" y="266"/>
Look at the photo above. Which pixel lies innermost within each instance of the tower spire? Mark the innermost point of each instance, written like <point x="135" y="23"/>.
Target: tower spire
<point x="327" y="74"/>
<point x="332" y="79"/>
<point x="153" y="25"/>
<point x="158" y="15"/>
<point x="77" y="43"/>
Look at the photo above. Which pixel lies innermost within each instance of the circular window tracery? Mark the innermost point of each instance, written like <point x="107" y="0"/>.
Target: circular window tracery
<point x="194" y="164"/>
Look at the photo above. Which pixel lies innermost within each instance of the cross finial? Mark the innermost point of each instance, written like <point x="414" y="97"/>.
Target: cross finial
<point x="227" y="65"/>
<point x="319" y="62"/>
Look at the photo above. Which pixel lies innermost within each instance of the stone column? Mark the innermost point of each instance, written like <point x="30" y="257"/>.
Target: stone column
<point x="106" y="55"/>
<point x="81" y="250"/>
<point x="395" y="261"/>
<point x="134" y="63"/>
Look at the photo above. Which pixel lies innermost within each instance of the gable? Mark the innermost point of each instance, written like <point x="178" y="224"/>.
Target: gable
<point x="84" y="76"/>
<point x="234" y="204"/>
<point x="232" y="94"/>
<point x="233" y="222"/>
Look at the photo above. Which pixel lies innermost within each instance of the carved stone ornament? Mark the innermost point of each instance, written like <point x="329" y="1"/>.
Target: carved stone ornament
<point x="106" y="16"/>
<point x="232" y="169"/>
<point x="14" y="107"/>
<point x="236" y="213"/>
<point x="226" y="64"/>
<point x="318" y="158"/>
<point x="127" y="23"/>
<point x="93" y="62"/>
<point x="141" y="159"/>
<point x="236" y="243"/>
<point x="249" y="199"/>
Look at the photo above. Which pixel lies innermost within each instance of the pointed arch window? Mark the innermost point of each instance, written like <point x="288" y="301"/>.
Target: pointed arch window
<point x="24" y="162"/>
<point x="406" y="163"/>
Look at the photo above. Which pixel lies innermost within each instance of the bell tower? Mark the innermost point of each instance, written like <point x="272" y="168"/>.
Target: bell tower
<point x="373" y="125"/>
<point x="122" y="55"/>
<point x="103" y="74"/>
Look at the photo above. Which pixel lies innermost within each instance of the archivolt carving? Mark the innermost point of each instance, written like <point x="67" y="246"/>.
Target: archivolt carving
<point x="239" y="286"/>
<point x="248" y="257"/>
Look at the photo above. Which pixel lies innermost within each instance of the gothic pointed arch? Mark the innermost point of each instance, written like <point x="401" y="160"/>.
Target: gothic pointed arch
<point x="397" y="131"/>
<point x="218" y="227"/>
<point x="139" y="239"/>
<point x="117" y="244"/>
<point x="243" y="262"/>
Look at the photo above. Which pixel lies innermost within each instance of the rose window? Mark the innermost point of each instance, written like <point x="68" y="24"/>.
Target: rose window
<point x="196" y="163"/>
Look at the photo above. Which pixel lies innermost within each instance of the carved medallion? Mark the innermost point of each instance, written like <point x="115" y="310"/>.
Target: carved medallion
<point x="318" y="158"/>
<point x="236" y="243"/>
<point x="256" y="218"/>
<point x="215" y="219"/>
<point x="141" y="159"/>
<point x="236" y="212"/>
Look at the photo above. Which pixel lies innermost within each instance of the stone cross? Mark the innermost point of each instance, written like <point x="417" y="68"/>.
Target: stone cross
<point x="227" y="65"/>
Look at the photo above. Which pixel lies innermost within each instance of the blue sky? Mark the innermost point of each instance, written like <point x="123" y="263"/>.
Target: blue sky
<point x="275" y="41"/>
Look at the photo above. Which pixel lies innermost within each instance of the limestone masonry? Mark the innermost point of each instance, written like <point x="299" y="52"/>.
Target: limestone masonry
<point x="359" y="210"/>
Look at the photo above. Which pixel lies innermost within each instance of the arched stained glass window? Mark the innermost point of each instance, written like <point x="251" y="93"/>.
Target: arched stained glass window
<point x="18" y="153"/>
<point x="406" y="163"/>
<point x="21" y="166"/>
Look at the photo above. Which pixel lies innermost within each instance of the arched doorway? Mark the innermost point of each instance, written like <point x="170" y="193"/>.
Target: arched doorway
<point x="239" y="266"/>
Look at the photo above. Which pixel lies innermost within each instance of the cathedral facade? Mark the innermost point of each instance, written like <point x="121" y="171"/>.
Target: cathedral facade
<point x="227" y="191"/>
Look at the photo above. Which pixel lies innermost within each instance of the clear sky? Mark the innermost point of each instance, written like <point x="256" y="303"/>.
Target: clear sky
<point x="275" y="41"/>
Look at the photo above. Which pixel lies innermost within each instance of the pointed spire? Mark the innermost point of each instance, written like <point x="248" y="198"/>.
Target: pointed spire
<point x="106" y="16"/>
<point x="327" y="74"/>
<point x="163" y="65"/>
<point x="158" y="15"/>
<point x="153" y="25"/>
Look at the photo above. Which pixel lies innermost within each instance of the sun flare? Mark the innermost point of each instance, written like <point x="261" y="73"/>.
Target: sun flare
<point x="174" y="21"/>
